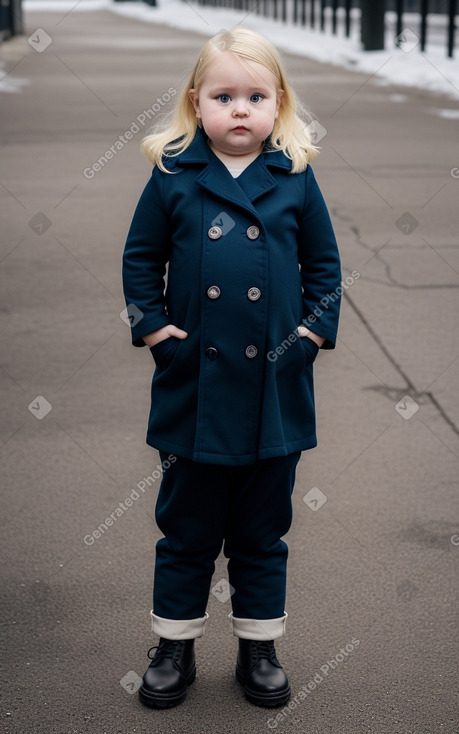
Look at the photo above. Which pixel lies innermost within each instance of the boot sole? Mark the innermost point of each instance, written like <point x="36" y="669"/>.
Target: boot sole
<point x="267" y="700"/>
<point x="165" y="700"/>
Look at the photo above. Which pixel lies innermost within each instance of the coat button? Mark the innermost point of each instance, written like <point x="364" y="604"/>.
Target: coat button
<point x="213" y="292"/>
<point x="253" y="294"/>
<point x="212" y="353"/>
<point x="215" y="233"/>
<point x="252" y="232"/>
<point x="251" y="351"/>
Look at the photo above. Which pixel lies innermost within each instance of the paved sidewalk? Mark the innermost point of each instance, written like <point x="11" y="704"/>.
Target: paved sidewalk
<point x="372" y="639"/>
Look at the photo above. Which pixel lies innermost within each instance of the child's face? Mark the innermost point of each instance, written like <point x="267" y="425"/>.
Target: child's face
<point x="237" y="108"/>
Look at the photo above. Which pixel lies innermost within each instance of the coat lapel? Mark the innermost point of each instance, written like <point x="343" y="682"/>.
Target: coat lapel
<point x="255" y="181"/>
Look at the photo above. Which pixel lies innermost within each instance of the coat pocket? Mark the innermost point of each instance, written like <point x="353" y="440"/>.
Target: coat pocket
<point x="310" y="347"/>
<point x="164" y="351"/>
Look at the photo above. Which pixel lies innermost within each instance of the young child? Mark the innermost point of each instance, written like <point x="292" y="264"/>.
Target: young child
<point x="233" y="209"/>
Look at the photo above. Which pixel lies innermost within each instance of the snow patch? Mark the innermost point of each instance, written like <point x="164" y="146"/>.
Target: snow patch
<point x="409" y="67"/>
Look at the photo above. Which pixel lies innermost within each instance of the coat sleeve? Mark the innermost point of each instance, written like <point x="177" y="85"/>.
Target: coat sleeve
<point x="144" y="262"/>
<point x="320" y="265"/>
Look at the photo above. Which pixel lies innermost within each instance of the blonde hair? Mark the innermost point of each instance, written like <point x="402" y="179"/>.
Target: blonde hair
<point x="290" y="133"/>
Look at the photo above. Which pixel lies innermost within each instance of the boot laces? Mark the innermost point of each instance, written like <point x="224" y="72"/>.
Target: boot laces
<point x="263" y="649"/>
<point x="165" y="649"/>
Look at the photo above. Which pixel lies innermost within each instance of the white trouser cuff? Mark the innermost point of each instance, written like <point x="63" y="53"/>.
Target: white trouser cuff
<point x="258" y="629"/>
<point x="178" y="629"/>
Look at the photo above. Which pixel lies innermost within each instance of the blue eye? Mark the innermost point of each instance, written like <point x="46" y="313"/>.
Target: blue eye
<point x="224" y="98"/>
<point x="256" y="98"/>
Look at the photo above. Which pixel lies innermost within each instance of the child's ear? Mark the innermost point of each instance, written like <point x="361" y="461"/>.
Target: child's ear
<point x="193" y="96"/>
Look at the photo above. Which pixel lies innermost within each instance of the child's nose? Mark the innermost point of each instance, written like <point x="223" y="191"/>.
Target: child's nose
<point x="241" y="108"/>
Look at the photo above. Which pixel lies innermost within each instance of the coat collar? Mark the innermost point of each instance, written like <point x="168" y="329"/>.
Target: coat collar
<point x="252" y="183"/>
<point x="200" y="152"/>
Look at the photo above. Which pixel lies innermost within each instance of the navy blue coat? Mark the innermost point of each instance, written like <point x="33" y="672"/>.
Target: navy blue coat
<point x="248" y="260"/>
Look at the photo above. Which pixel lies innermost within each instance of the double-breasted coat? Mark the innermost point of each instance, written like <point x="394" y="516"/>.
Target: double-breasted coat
<point x="247" y="260"/>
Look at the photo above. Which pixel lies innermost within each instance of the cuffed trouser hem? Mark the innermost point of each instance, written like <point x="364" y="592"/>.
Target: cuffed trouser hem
<point x="178" y="629"/>
<point x="258" y="629"/>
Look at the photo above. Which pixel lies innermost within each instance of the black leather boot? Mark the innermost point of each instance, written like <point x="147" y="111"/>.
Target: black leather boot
<point x="261" y="674"/>
<point x="171" y="670"/>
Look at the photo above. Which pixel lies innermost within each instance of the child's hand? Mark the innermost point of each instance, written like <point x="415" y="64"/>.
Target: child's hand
<point x="160" y="334"/>
<point x="308" y="334"/>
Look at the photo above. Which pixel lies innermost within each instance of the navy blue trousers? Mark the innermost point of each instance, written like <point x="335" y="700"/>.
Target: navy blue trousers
<point x="245" y="509"/>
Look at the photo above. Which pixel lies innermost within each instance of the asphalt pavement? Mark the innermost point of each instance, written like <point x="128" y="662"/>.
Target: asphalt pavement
<point x="372" y="633"/>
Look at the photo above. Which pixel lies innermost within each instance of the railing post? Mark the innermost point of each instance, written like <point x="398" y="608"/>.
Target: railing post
<point x="334" y="16"/>
<point x="17" y="19"/>
<point x="11" y="22"/>
<point x="451" y="27"/>
<point x="322" y="15"/>
<point x="424" y="11"/>
<point x="347" y="6"/>
<point x="399" y="5"/>
<point x="372" y="24"/>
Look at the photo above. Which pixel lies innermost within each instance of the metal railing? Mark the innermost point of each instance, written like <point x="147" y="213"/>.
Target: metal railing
<point x="344" y="16"/>
<point x="11" y="23"/>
